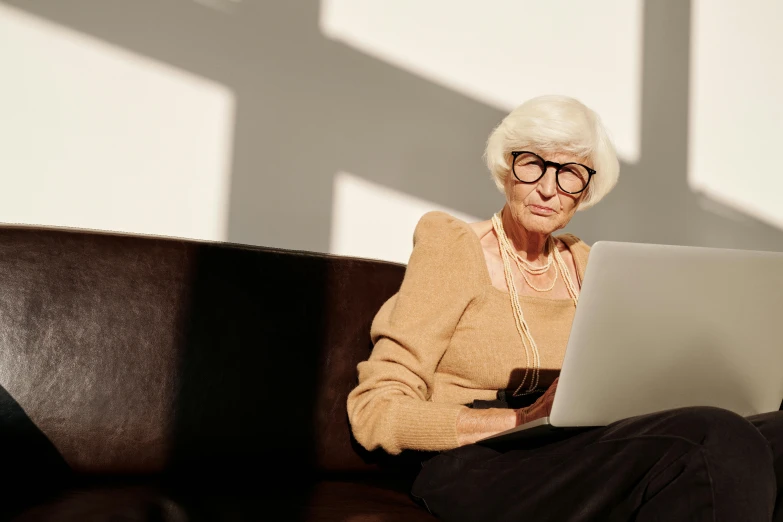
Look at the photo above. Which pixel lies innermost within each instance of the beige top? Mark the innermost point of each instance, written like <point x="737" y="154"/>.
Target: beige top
<point x="448" y="337"/>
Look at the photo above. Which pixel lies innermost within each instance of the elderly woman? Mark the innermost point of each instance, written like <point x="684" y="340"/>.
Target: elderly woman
<point x="479" y="328"/>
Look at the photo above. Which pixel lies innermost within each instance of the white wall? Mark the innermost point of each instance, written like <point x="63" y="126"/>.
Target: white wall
<point x="96" y="137"/>
<point x="502" y="52"/>
<point x="736" y="105"/>
<point x="370" y="220"/>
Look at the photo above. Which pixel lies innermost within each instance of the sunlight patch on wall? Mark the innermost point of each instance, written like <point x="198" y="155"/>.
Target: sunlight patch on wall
<point x="94" y="136"/>
<point x="502" y="52"/>
<point x="736" y="106"/>
<point x="373" y="221"/>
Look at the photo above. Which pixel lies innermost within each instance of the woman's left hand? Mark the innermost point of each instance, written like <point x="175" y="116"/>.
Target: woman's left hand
<point x="539" y="409"/>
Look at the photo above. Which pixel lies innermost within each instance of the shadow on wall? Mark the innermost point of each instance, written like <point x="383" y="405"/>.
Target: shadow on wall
<point x="308" y="107"/>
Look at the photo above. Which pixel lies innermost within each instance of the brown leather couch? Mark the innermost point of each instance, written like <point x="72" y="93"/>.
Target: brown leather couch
<point x="161" y="379"/>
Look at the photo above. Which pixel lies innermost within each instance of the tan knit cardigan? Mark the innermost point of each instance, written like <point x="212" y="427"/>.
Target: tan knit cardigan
<point x="448" y="337"/>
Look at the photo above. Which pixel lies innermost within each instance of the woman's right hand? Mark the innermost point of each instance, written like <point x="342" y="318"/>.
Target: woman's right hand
<point x="539" y="409"/>
<point x="474" y="425"/>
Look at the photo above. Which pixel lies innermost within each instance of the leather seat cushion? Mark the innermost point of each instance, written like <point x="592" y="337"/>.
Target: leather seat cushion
<point x="322" y="501"/>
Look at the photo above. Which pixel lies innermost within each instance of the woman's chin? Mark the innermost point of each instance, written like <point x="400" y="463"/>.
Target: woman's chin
<point x="541" y="224"/>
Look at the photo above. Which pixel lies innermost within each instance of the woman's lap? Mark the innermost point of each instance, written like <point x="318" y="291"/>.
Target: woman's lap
<point x="770" y="425"/>
<point x="627" y="469"/>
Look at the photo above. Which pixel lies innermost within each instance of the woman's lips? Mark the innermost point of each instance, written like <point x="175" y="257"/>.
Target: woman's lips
<point x="543" y="211"/>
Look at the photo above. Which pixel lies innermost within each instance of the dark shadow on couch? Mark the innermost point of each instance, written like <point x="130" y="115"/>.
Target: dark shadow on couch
<point x="243" y="426"/>
<point x="33" y="469"/>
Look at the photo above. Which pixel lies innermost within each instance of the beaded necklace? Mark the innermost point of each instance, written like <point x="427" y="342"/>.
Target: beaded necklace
<point x="507" y="253"/>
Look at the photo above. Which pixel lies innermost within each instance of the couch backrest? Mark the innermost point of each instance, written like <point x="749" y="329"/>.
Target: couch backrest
<point x="141" y="355"/>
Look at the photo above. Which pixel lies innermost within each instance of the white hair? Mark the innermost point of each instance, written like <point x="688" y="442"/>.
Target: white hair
<point x="555" y="124"/>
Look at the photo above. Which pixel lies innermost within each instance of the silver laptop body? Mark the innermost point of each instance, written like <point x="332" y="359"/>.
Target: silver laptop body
<point x="660" y="327"/>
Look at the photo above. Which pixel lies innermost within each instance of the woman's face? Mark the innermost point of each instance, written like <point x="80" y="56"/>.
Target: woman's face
<point x="541" y="207"/>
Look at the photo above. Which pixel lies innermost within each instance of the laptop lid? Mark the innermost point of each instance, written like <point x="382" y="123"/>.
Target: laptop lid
<point x="660" y="327"/>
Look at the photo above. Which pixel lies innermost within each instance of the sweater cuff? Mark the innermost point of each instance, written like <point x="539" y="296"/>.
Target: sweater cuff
<point x="425" y="425"/>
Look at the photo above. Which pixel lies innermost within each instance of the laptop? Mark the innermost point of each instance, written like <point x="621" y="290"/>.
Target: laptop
<point x="659" y="327"/>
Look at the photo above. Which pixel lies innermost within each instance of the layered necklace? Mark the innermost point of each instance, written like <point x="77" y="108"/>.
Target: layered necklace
<point x="507" y="253"/>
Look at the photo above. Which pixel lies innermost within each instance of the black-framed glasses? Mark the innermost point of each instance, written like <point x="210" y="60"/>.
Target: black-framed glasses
<point x="529" y="167"/>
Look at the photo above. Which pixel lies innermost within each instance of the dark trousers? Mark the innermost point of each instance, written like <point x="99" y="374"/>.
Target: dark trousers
<point x="689" y="464"/>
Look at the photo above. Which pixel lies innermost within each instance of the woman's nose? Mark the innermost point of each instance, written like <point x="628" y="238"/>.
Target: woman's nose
<point x="547" y="185"/>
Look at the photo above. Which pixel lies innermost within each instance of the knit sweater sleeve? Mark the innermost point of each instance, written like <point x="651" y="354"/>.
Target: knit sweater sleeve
<point x="391" y="407"/>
